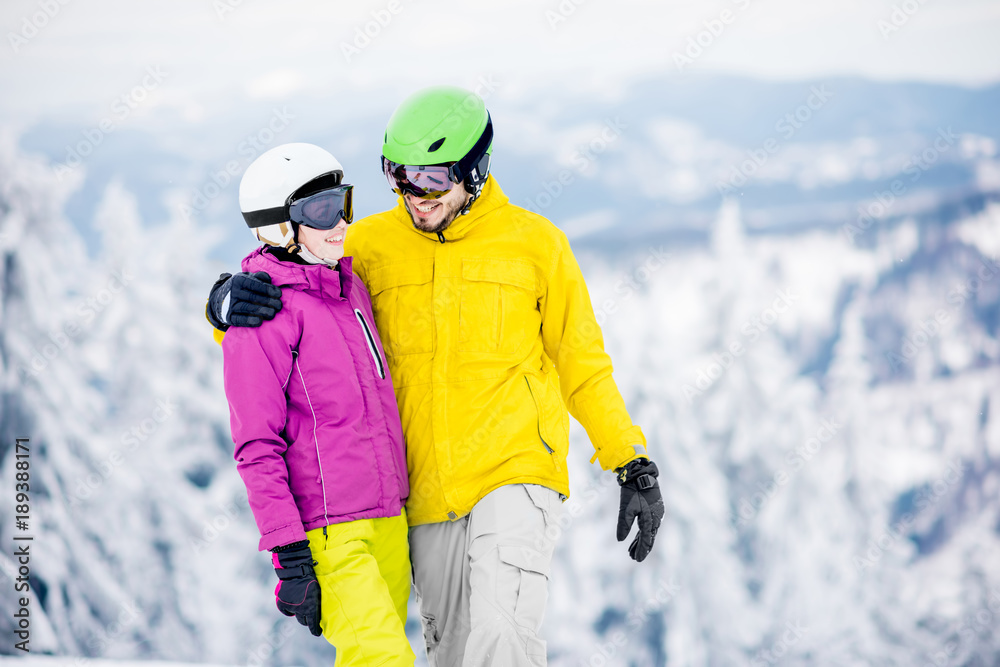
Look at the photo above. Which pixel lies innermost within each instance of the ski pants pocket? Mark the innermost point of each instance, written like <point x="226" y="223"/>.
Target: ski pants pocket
<point x="522" y="585"/>
<point x="432" y="637"/>
<point x="549" y="503"/>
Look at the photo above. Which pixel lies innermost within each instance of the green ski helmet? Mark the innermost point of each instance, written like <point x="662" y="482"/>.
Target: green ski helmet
<point x="437" y="137"/>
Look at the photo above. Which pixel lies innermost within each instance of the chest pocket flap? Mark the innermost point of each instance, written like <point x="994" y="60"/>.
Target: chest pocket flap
<point x="402" y="296"/>
<point x="499" y="306"/>
<point x="416" y="272"/>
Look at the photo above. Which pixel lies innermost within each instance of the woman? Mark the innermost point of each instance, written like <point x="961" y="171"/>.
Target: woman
<point x="314" y="419"/>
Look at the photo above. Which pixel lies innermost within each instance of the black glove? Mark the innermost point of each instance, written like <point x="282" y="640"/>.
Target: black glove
<point x="243" y="300"/>
<point x="640" y="497"/>
<point x="297" y="593"/>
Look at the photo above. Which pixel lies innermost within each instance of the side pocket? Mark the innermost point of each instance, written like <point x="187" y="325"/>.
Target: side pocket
<point x="532" y="569"/>
<point x="538" y="416"/>
<point x="432" y="637"/>
<point x="295" y="357"/>
<point x="548" y="502"/>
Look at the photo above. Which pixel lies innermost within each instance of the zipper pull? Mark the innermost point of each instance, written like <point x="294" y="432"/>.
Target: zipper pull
<point x="440" y="237"/>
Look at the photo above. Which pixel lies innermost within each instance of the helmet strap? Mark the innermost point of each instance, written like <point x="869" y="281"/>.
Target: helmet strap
<point x="474" y="190"/>
<point x="474" y="182"/>
<point x="296" y="248"/>
<point x="313" y="259"/>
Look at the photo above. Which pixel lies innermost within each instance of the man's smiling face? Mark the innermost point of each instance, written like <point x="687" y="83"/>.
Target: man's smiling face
<point x="435" y="215"/>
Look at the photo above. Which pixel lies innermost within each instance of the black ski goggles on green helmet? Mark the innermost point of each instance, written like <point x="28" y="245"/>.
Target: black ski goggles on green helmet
<point x="324" y="209"/>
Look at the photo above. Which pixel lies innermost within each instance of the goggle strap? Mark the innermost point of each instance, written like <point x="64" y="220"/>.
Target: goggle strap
<point x="265" y="216"/>
<point x="458" y="171"/>
<point x="463" y="167"/>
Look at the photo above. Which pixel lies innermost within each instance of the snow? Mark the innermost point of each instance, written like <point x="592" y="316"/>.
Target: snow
<point x="70" y="661"/>
<point x="831" y="488"/>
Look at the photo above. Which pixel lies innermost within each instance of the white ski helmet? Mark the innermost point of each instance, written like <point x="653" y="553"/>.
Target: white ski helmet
<point x="271" y="182"/>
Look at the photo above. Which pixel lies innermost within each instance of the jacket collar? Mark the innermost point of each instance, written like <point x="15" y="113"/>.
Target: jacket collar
<point x="490" y="198"/>
<point x="331" y="282"/>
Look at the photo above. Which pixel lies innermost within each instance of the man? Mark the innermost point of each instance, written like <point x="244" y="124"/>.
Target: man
<point x="490" y="336"/>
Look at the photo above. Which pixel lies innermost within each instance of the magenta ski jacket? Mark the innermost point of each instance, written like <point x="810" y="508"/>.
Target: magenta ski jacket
<point x="312" y="409"/>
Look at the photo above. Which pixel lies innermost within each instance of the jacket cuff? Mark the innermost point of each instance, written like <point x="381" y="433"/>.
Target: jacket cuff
<point x="281" y="536"/>
<point x="218" y="302"/>
<point x="289" y="547"/>
<point x="610" y="460"/>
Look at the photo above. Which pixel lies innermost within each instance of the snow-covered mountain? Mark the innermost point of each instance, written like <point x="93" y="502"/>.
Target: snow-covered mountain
<point x="826" y="416"/>
<point x="139" y="521"/>
<point x="818" y="378"/>
<point x="655" y="155"/>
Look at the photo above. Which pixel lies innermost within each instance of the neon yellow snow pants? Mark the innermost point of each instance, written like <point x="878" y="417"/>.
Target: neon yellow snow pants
<point x="363" y="569"/>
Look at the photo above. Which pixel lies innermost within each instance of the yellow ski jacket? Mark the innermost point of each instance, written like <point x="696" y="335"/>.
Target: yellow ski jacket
<point x="490" y="335"/>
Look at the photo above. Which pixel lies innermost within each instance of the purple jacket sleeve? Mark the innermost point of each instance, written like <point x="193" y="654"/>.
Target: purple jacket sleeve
<point x="257" y="364"/>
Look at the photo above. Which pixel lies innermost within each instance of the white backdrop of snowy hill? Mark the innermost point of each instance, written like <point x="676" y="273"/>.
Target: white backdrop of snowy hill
<point x="654" y="154"/>
<point x="820" y="389"/>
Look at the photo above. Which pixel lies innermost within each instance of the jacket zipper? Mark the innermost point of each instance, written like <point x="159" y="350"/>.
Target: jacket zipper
<point x="372" y="347"/>
<point x="295" y="356"/>
<point x="538" y="423"/>
<point x="319" y="458"/>
<point x="500" y="320"/>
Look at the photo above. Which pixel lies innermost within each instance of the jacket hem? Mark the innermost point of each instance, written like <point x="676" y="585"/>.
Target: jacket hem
<point x="287" y="534"/>
<point x="389" y="512"/>
<point x="416" y="518"/>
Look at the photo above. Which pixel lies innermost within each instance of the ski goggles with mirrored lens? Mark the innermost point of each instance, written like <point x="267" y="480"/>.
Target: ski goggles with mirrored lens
<point x="324" y="209"/>
<point x="424" y="181"/>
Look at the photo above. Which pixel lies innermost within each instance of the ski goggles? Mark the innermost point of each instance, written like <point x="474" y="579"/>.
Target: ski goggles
<point x="423" y="181"/>
<point x="324" y="209"/>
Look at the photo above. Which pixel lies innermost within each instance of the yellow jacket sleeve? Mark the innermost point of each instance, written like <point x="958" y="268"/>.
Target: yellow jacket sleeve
<point x="572" y="339"/>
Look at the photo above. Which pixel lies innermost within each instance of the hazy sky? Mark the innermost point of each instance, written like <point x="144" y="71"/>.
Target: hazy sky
<point x="74" y="58"/>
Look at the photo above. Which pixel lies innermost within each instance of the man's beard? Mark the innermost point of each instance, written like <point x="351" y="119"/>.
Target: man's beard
<point x="451" y="211"/>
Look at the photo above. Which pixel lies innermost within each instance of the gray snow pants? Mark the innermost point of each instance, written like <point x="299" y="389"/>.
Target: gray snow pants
<point x="482" y="581"/>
